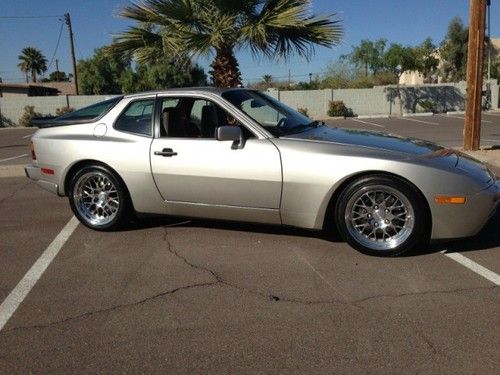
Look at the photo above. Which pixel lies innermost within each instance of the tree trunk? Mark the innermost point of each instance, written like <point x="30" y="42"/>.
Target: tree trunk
<point x="225" y="70"/>
<point x="33" y="75"/>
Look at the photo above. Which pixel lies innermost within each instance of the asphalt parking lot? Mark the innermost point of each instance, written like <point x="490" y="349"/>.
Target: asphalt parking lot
<point x="177" y="296"/>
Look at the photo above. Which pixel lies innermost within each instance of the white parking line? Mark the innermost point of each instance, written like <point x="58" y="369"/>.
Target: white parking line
<point x="17" y="296"/>
<point x="367" y="122"/>
<point x="473" y="266"/>
<point x="460" y="117"/>
<point x="28" y="136"/>
<point x="319" y="275"/>
<point x="421" y="121"/>
<point x="463" y="118"/>
<point x="14" y="157"/>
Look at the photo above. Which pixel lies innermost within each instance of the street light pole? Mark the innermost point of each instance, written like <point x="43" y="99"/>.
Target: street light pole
<point x="398" y="70"/>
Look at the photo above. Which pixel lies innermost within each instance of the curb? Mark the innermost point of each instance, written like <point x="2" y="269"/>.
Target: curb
<point x="491" y="157"/>
<point x="372" y="116"/>
<point x="455" y="113"/>
<point x="418" y="114"/>
<point x="7" y="171"/>
<point x="328" y="118"/>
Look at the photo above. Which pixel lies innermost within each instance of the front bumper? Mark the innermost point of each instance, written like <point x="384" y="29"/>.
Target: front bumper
<point x="35" y="173"/>
<point x="464" y="220"/>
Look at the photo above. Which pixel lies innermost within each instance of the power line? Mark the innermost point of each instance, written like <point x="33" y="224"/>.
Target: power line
<point x="285" y="77"/>
<point x="23" y="17"/>
<point x="57" y="45"/>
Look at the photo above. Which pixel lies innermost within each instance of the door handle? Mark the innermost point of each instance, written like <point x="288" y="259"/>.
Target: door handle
<point x="167" y="152"/>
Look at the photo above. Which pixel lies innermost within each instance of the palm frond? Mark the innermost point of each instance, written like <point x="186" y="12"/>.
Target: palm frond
<point x="284" y="27"/>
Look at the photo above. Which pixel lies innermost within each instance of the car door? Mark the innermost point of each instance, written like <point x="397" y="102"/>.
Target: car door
<point x="192" y="167"/>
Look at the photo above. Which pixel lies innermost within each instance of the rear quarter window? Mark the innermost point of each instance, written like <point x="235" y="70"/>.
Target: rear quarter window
<point x="137" y="118"/>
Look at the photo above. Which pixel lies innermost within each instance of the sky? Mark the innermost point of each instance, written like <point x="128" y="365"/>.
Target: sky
<point x="95" y="21"/>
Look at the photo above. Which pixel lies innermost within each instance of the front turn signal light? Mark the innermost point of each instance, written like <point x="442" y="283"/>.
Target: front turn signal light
<point x="449" y="199"/>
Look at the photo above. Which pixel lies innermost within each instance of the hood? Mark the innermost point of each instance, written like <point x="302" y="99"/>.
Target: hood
<point x="366" y="138"/>
<point x="413" y="148"/>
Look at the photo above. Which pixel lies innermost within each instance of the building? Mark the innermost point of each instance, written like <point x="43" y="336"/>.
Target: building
<point x="64" y="88"/>
<point x="26" y="89"/>
<point x="416" y="78"/>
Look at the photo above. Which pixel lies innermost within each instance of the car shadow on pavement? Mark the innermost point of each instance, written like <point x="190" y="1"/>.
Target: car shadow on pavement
<point x="488" y="238"/>
<point x="152" y="221"/>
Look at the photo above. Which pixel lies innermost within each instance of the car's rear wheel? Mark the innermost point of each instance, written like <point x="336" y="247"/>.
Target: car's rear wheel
<point x="98" y="198"/>
<point x="381" y="215"/>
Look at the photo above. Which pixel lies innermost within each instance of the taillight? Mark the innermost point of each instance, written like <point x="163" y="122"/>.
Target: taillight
<point x="32" y="149"/>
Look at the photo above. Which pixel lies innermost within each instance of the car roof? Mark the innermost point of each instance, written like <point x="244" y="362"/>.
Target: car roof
<point x="203" y="89"/>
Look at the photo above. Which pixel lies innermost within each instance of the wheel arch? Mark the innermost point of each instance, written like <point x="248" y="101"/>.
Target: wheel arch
<point x="328" y="217"/>
<point x="89" y="162"/>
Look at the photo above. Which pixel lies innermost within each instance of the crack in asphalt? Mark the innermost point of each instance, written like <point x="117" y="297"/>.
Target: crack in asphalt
<point x="449" y="291"/>
<point x="110" y="309"/>
<point x="15" y="192"/>
<point x="219" y="280"/>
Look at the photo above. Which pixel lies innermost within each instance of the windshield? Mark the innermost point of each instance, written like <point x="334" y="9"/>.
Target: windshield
<point x="270" y="113"/>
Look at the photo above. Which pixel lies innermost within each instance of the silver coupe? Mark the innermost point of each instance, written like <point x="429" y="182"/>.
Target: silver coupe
<point x="238" y="154"/>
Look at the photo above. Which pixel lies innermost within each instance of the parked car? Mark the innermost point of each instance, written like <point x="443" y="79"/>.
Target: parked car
<point x="238" y="154"/>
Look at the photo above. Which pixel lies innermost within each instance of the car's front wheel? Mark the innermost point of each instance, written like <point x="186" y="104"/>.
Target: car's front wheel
<point x="98" y="198"/>
<point x="381" y="215"/>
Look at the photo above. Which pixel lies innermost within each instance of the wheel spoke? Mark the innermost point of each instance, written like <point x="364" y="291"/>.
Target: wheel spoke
<point x="96" y="198"/>
<point x="379" y="217"/>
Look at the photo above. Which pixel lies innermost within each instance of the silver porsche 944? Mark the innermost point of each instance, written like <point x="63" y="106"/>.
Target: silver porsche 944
<point x="238" y="154"/>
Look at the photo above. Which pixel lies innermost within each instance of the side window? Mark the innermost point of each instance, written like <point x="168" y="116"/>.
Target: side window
<point x="194" y="118"/>
<point x="137" y="117"/>
<point x="261" y="112"/>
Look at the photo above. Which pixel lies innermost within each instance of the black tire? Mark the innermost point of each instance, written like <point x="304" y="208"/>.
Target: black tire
<point x="99" y="199"/>
<point x="382" y="215"/>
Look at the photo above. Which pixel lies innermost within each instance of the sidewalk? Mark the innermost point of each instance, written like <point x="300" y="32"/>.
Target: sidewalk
<point x="490" y="157"/>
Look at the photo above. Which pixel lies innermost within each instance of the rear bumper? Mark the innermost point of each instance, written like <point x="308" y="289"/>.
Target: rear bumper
<point x="464" y="220"/>
<point x="34" y="173"/>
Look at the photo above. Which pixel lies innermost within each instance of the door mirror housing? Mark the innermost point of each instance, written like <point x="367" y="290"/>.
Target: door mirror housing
<point x="231" y="133"/>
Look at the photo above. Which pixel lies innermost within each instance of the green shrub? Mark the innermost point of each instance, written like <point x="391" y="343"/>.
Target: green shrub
<point x="304" y="111"/>
<point x="428" y="106"/>
<point x="337" y="108"/>
<point x="28" y="115"/>
<point x="63" y="110"/>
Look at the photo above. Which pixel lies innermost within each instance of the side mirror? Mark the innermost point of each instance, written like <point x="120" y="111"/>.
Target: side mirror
<point x="256" y="104"/>
<point x="230" y="133"/>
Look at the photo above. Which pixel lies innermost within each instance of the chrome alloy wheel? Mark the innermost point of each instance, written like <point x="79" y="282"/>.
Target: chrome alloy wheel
<point x="379" y="217"/>
<point x="96" y="198"/>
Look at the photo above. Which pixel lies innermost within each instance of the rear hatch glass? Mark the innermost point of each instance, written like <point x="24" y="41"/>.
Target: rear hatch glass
<point x="87" y="114"/>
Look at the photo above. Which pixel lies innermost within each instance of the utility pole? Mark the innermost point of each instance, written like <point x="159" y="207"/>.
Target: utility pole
<point x="57" y="65"/>
<point x="67" y="20"/>
<point x="472" y="128"/>
<point x="289" y="78"/>
<point x="488" y="4"/>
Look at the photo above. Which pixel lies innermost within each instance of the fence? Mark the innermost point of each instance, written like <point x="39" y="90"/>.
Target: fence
<point x="384" y="100"/>
<point x="380" y="100"/>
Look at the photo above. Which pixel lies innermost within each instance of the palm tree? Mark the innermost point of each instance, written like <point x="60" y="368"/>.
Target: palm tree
<point x="267" y="79"/>
<point x="188" y="28"/>
<point x="23" y="67"/>
<point x="32" y="60"/>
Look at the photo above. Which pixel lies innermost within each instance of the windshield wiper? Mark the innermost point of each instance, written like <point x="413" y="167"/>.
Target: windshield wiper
<point x="302" y="127"/>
